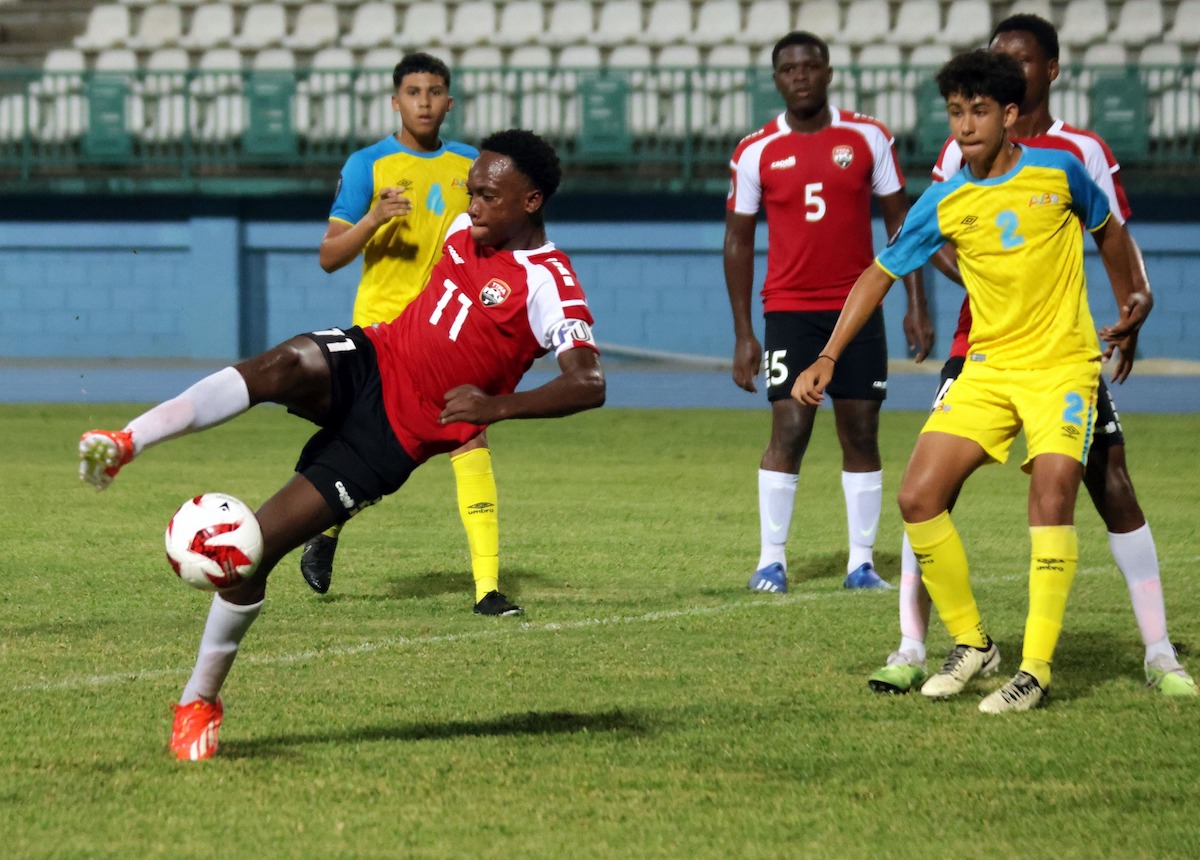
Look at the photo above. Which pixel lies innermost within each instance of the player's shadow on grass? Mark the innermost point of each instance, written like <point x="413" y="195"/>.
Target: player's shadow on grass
<point x="417" y="585"/>
<point x="629" y="723"/>
<point x="1087" y="660"/>
<point x="833" y="566"/>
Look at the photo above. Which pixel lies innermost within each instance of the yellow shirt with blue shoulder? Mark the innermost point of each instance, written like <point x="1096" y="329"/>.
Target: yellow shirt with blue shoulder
<point x="397" y="260"/>
<point x="1020" y="251"/>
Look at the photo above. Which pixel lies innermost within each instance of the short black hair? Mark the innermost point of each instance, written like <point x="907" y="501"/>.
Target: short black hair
<point x="1043" y="32"/>
<point x="799" y="37"/>
<point x="983" y="73"/>
<point x="530" y="154"/>
<point x="419" y="61"/>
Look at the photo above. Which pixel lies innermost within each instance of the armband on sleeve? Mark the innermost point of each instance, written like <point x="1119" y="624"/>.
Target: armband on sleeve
<point x="568" y="334"/>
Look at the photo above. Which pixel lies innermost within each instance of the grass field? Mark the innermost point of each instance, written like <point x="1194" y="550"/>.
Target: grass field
<point x="647" y="705"/>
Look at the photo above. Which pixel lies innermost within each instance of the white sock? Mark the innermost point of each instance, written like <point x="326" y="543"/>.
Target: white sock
<point x="776" y="497"/>
<point x="227" y="624"/>
<point x="914" y="602"/>
<point x="1138" y="560"/>
<point x="864" y="500"/>
<point x="213" y="400"/>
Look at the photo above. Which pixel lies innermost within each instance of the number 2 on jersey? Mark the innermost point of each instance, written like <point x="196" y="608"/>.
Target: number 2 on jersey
<point x="1009" y="225"/>
<point x="450" y="289"/>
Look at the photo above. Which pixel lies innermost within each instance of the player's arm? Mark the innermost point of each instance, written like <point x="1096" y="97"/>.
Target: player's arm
<point x="1126" y="275"/>
<point x="579" y="385"/>
<point x="739" y="281"/>
<point x="918" y="328"/>
<point x="868" y="291"/>
<point x="342" y="242"/>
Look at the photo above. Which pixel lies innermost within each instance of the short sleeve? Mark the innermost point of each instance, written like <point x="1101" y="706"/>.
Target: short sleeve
<point x="558" y="313"/>
<point x="1088" y="200"/>
<point x="356" y="187"/>
<point x="919" y="238"/>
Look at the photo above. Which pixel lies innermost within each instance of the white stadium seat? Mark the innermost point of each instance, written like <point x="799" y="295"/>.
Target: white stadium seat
<point x="161" y="26"/>
<point x="19" y="115"/>
<point x="373" y="89"/>
<point x="324" y="100"/>
<point x="521" y="21"/>
<point x="620" y="22"/>
<point x="166" y="102"/>
<point x="60" y="90"/>
<point x="474" y="24"/>
<point x="766" y="21"/>
<point x="1139" y="22"/>
<point x="1105" y="54"/>
<point x="866" y="22"/>
<point x="820" y="17"/>
<point x="929" y="56"/>
<point x="668" y="22"/>
<point x="570" y="22"/>
<point x="218" y="106"/>
<point x="1041" y="8"/>
<point x="1176" y="113"/>
<point x="917" y="22"/>
<point x="264" y="25"/>
<point x="1161" y="64"/>
<point x="107" y="27"/>
<point x="212" y="25"/>
<point x="316" y="27"/>
<point x="425" y="24"/>
<point x="1084" y="22"/>
<point x="717" y="21"/>
<point x="373" y="24"/>
<point x="968" y="24"/>
<point x="1185" y="30"/>
<point x="122" y="63"/>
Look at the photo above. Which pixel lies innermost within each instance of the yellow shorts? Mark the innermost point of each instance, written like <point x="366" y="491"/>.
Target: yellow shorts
<point x="1056" y="407"/>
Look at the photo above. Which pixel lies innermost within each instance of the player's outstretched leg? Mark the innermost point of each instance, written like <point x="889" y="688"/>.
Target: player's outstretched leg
<point x="316" y="561"/>
<point x="905" y="668"/>
<point x="102" y="453"/>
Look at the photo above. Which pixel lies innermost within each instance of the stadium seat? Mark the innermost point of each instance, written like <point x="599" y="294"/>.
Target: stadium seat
<point x="820" y="17"/>
<point x="766" y="21"/>
<point x="121" y="64"/>
<point x="884" y="91"/>
<point x="316" y="27"/>
<point x="929" y="56"/>
<point x="968" y="24"/>
<point x="212" y="25"/>
<point x="917" y="22"/>
<point x="60" y="91"/>
<point x="717" y="22"/>
<point x="1185" y="30"/>
<point x="485" y="104"/>
<point x="520" y="22"/>
<point x="373" y="89"/>
<point x="620" y="22"/>
<point x="570" y="23"/>
<point x="1041" y="8"/>
<point x="107" y="27"/>
<point x="1176" y="114"/>
<point x="574" y="57"/>
<point x="425" y="24"/>
<point x="264" y="25"/>
<point x="19" y="116"/>
<point x="164" y="88"/>
<point x="324" y="99"/>
<point x="866" y="21"/>
<point x="1105" y="54"/>
<point x="373" y="24"/>
<point x="684" y="106"/>
<point x="161" y="26"/>
<point x="1161" y="64"/>
<point x="668" y="22"/>
<point x="725" y="79"/>
<point x="1084" y="22"/>
<point x="1139" y="22"/>
<point x="218" y="107"/>
<point x="474" y="24"/>
<point x="530" y="76"/>
<point x="573" y="62"/>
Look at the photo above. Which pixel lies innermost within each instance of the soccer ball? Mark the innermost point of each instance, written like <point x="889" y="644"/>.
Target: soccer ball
<point x="214" y="542"/>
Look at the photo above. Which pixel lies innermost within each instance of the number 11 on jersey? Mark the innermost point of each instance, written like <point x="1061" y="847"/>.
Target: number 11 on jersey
<point x="450" y="289"/>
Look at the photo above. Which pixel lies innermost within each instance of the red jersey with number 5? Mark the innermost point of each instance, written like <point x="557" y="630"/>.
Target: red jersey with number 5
<point x="482" y="319"/>
<point x="816" y="190"/>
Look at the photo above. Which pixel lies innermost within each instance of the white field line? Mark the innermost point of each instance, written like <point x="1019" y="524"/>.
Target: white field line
<point x="402" y="642"/>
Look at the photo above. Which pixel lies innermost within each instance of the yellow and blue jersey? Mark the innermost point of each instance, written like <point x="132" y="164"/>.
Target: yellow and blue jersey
<point x="1020" y="251"/>
<point x="397" y="260"/>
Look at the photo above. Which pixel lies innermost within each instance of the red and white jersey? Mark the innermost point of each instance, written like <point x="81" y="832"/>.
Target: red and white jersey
<point x="482" y="319"/>
<point x="1087" y="146"/>
<point x="816" y="191"/>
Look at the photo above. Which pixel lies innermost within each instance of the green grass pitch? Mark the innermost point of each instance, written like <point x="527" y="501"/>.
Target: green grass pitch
<point x="647" y="705"/>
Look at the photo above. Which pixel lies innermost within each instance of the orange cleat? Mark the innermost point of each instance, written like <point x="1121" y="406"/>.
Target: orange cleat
<point x="194" y="734"/>
<point x="102" y="453"/>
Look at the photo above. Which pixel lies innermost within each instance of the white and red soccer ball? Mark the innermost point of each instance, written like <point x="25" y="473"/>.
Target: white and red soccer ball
<point x="214" y="542"/>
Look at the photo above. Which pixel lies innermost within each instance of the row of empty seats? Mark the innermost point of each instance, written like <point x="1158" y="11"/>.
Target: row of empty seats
<point x="512" y="23"/>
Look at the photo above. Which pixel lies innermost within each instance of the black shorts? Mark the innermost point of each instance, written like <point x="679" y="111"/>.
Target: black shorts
<point x="1108" y="422"/>
<point x="794" y="339"/>
<point x="354" y="460"/>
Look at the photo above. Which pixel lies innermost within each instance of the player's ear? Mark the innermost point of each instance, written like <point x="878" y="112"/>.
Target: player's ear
<point x="1052" y="70"/>
<point x="396" y="102"/>
<point x="449" y="103"/>
<point x="533" y="201"/>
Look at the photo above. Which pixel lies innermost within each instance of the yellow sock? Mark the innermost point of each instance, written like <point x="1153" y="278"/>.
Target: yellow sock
<point x="334" y="531"/>
<point x="477" y="500"/>
<point x="943" y="561"/>
<point x="1055" y="558"/>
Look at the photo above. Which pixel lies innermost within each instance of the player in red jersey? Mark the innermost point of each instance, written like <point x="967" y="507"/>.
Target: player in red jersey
<point x="390" y="396"/>
<point x="813" y="171"/>
<point x="1033" y="42"/>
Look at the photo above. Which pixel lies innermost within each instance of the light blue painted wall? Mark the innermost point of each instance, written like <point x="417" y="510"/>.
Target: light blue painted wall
<point x="216" y="288"/>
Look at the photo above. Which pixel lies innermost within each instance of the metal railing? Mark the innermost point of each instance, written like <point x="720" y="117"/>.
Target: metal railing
<point x="673" y="127"/>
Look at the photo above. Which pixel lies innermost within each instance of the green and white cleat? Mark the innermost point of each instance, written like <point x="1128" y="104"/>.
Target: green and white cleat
<point x="1169" y="678"/>
<point x="902" y="674"/>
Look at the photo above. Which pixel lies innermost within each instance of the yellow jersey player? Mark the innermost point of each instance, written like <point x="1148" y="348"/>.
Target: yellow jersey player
<point x="394" y="203"/>
<point x="1012" y="214"/>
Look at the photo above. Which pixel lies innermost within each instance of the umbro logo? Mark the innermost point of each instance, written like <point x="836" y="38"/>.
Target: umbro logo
<point x="784" y="163"/>
<point x="970" y="219"/>
<point x="480" y="508"/>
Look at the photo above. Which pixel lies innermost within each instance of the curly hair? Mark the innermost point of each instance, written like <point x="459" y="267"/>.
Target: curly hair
<point x="983" y="73"/>
<point x="418" y="62"/>
<point x="530" y="154"/>
<point x="799" y="37"/>
<point x="1040" y="29"/>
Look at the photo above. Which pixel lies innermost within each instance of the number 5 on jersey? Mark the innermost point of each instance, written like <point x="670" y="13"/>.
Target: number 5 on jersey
<point x="455" y="327"/>
<point x="774" y="368"/>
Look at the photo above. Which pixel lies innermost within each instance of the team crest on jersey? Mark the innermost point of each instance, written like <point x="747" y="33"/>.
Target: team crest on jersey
<point x="494" y="292"/>
<point x="843" y="155"/>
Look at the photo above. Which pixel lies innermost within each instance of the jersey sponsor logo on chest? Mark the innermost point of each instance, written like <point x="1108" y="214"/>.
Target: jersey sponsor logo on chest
<point x="494" y="292"/>
<point x="843" y="155"/>
<point x="1043" y="199"/>
<point x="784" y="163"/>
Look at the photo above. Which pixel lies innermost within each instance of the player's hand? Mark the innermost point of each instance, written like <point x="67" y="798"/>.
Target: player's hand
<point x="1133" y="314"/>
<point x="747" y="360"/>
<point x="809" y="387"/>
<point x="918" y="332"/>
<point x="1126" y="349"/>
<point x="392" y="203"/>
<point x="467" y="403"/>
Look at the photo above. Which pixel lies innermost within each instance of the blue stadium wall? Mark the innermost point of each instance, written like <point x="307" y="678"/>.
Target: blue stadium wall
<point x="222" y="284"/>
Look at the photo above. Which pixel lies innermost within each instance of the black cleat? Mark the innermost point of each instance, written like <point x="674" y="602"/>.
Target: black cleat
<point x="316" y="562"/>
<point x="495" y="603"/>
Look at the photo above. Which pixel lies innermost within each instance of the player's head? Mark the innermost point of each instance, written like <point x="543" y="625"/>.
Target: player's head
<point x="510" y="182"/>
<point x="422" y="98"/>
<point x="983" y="90"/>
<point x="1033" y="43"/>
<point x="800" y="62"/>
